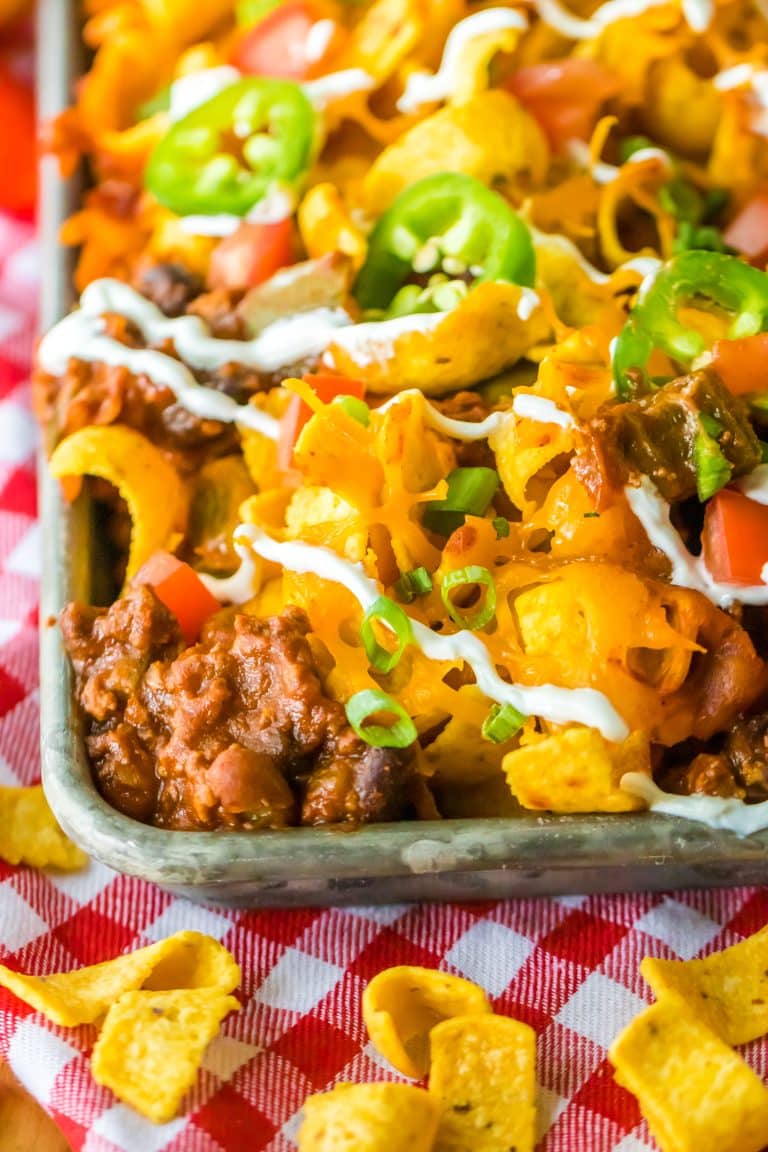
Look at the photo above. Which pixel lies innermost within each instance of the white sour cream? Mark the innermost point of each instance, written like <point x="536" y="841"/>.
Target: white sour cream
<point x="562" y="20"/>
<point x="727" y="813"/>
<point x="319" y="38"/>
<point x="558" y="705"/>
<point x="373" y="342"/>
<point x="189" y="92"/>
<point x="80" y="336"/>
<point x="603" y="173"/>
<point x="756" y="81"/>
<point x="338" y="85"/>
<point x="687" y="571"/>
<point x="755" y="484"/>
<point x="278" y="204"/>
<point x="541" y="409"/>
<point x="528" y="303"/>
<point x="428" y="87"/>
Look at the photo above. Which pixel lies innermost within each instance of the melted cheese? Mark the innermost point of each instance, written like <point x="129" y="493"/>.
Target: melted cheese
<point x="717" y="811"/>
<point x="687" y="571"/>
<point x="428" y="87"/>
<point x="558" y="705"/>
<point x="80" y="336"/>
<point x="541" y="409"/>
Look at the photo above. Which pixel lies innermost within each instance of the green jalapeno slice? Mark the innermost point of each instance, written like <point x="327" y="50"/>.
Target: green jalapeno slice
<point x="447" y="225"/>
<point x="224" y="156"/>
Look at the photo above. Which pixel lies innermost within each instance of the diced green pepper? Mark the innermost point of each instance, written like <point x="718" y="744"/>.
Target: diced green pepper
<point x="725" y="281"/>
<point x="450" y="223"/>
<point x="712" y="469"/>
<point x="226" y="154"/>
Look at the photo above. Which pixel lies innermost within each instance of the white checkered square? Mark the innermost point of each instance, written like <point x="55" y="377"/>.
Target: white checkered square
<point x="225" y="1055"/>
<point x="298" y="982"/>
<point x="599" y="1009"/>
<point x="129" y="1131"/>
<point x="84" y="886"/>
<point x="26" y="557"/>
<point x="19" y="924"/>
<point x="18" y="431"/>
<point x="490" y="954"/>
<point x="37" y="1056"/>
<point x="631" y="1143"/>
<point x="549" y="1105"/>
<point x="182" y="916"/>
<point x="681" y="928"/>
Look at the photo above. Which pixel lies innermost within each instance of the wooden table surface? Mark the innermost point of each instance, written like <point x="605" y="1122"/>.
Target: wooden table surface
<point x="24" y="1126"/>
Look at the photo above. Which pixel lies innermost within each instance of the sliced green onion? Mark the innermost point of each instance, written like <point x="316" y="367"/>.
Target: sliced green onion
<point x="463" y="577"/>
<point x="713" y="470"/>
<point x="417" y="582"/>
<point x="364" y="704"/>
<point x="390" y="615"/>
<point x="354" y="407"/>
<point x="501" y="723"/>
<point x="633" y="144"/>
<point x="501" y="526"/>
<point x="470" y="491"/>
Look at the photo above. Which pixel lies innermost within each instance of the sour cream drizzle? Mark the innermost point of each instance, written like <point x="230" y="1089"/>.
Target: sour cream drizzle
<point x="728" y="813"/>
<point x="427" y="87"/>
<point x="755" y="485"/>
<point x="558" y="705"/>
<point x="687" y="571"/>
<point x="756" y="80"/>
<point x="80" y="336"/>
<point x="524" y="405"/>
<point x="698" y="14"/>
<point x="603" y="173"/>
<point x="541" y="409"/>
<point x="372" y="342"/>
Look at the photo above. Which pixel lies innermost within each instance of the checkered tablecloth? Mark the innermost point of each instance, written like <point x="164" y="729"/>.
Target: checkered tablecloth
<point x="569" y="967"/>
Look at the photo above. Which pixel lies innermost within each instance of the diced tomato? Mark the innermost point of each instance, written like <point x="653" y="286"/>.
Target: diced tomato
<point x="735" y="538"/>
<point x="251" y="254"/>
<point x="18" y="145"/>
<point x="327" y="386"/>
<point x="564" y="96"/>
<point x="742" y="365"/>
<point x="280" y="44"/>
<point x="748" y="232"/>
<point x="181" y="590"/>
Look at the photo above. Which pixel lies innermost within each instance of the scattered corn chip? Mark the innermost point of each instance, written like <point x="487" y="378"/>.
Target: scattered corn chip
<point x="30" y="835"/>
<point x="490" y="136"/>
<point x="150" y="1047"/>
<point x="577" y="770"/>
<point x="480" y="337"/>
<point x="728" y="990"/>
<point x="86" y="994"/>
<point x="140" y="473"/>
<point x="483" y="1073"/>
<point x="401" y="1005"/>
<point x="369" y="1118"/>
<point x="695" y="1092"/>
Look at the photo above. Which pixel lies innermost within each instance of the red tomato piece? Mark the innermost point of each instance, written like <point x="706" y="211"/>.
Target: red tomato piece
<point x="277" y="45"/>
<point x="18" y="145"/>
<point x="735" y="538"/>
<point x="327" y="385"/>
<point x="564" y="96"/>
<point x="251" y="254"/>
<point x="181" y="590"/>
<point x="748" y="232"/>
<point x="742" y="365"/>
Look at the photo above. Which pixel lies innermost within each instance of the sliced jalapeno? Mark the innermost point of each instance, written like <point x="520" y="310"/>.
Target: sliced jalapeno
<point x="448" y="225"/>
<point x="225" y="154"/>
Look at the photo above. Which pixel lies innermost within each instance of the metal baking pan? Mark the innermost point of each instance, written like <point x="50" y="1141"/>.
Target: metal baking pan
<point x="439" y="860"/>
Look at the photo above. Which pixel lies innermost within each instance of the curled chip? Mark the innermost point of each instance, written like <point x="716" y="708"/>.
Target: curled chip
<point x="401" y="1005"/>
<point x="187" y="959"/>
<point x="577" y="770"/>
<point x="369" y="1118"/>
<point x="478" y="338"/>
<point x="695" y="1092"/>
<point x="490" y="136"/>
<point x="141" y="474"/>
<point x="483" y="1073"/>
<point x="150" y="1047"/>
<point x="728" y="990"/>
<point x="30" y="835"/>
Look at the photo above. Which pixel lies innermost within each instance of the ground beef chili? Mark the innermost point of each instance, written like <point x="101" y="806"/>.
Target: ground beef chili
<point x="234" y="732"/>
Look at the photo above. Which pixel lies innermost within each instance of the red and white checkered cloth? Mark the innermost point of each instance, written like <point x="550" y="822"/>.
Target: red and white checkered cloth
<point x="569" y="966"/>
